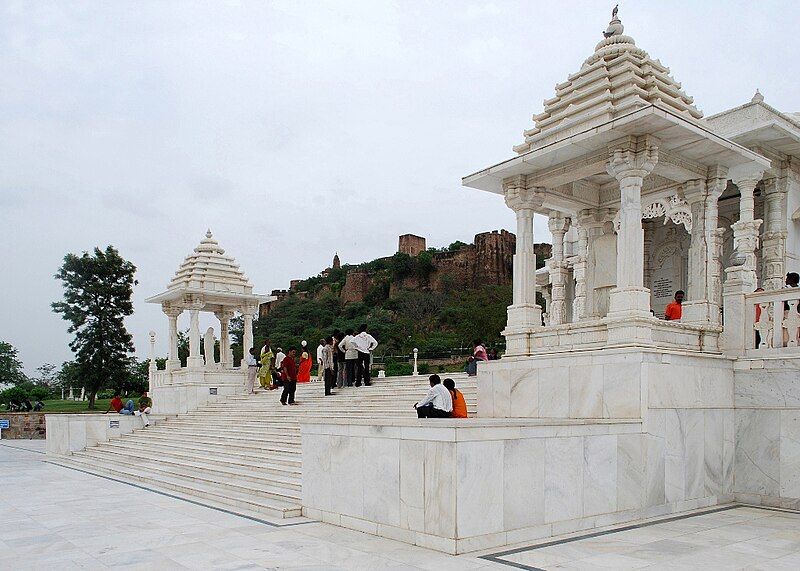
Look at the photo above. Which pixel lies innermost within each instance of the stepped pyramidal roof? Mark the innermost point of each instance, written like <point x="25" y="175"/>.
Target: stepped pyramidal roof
<point x="618" y="78"/>
<point x="207" y="268"/>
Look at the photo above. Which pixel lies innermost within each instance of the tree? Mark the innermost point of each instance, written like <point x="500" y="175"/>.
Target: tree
<point x="97" y="298"/>
<point x="10" y="366"/>
<point x="46" y="376"/>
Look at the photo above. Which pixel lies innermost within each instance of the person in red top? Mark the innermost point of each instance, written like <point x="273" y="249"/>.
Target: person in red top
<point x="116" y="404"/>
<point x="674" y="310"/>
<point x="459" y="404"/>
<point x="289" y="376"/>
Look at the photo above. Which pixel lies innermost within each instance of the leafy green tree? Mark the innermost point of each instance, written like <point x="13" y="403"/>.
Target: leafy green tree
<point x="10" y="366"/>
<point x="97" y="298"/>
<point x="46" y="376"/>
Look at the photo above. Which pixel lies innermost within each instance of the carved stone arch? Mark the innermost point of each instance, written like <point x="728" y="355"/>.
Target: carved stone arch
<point x="668" y="267"/>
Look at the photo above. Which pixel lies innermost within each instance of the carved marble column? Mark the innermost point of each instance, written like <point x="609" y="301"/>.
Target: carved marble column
<point x="630" y="163"/>
<point x="648" y="262"/>
<point x="524" y="315"/>
<point x="579" y="273"/>
<point x="247" y="335"/>
<point x="557" y="267"/>
<point x="745" y="231"/>
<point x="225" y="354"/>
<point x="773" y="245"/>
<point x="172" y="312"/>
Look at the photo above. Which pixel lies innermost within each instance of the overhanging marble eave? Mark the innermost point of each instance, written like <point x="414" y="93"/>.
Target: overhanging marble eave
<point x="678" y="138"/>
<point x="209" y="298"/>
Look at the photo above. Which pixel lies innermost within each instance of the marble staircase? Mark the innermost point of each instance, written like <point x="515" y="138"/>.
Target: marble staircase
<point x="243" y="452"/>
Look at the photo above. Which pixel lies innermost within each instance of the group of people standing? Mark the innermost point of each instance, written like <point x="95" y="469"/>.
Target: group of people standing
<point x="343" y="359"/>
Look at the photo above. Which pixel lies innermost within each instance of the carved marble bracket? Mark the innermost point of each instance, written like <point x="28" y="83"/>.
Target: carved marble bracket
<point x="671" y="208"/>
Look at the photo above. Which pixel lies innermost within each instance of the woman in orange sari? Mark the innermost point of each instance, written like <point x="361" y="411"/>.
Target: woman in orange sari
<point x="304" y="369"/>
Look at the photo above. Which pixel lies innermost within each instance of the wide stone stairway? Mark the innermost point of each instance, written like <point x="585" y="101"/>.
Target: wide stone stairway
<point x="243" y="452"/>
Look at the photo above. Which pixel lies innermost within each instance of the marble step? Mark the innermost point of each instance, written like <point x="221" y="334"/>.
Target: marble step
<point x="218" y="445"/>
<point x="284" y="469"/>
<point x="262" y="432"/>
<point x="194" y="490"/>
<point x="205" y="471"/>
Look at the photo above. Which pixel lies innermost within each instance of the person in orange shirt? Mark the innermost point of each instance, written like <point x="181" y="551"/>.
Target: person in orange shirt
<point x="674" y="310"/>
<point x="459" y="404"/>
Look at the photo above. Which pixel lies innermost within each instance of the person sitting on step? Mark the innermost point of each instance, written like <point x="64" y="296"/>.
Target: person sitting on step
<point x="437" y="403"/>
<point x="145" y="405"/>
<point x="459" y="403"/>
<point x="116" y="404"/>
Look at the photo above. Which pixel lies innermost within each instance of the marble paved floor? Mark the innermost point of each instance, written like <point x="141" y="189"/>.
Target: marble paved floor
<point x="53" y="517"/>
<point x="725" y="539"/>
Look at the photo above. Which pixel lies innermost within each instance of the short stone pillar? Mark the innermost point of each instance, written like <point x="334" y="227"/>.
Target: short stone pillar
<point x="416" y="371"/>
<point x="773" y="245"/>
<point x="745" y="231"/>
<point x="557" y="269"/>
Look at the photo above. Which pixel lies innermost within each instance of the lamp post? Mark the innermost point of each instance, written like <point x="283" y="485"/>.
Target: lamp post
<point x="416" y="372"/>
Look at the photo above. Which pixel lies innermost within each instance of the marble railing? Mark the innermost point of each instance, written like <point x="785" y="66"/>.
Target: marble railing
<point x="773" y="322"/>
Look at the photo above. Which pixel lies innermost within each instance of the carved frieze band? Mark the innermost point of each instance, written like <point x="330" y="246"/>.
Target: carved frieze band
<point x="672" y="208"/>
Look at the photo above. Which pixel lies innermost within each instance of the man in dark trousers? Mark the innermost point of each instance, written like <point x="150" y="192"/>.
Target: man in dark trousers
<point x="289" y="376"/>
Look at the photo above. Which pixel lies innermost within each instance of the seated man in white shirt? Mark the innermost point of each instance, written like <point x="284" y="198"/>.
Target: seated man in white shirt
<point x="437" y="403"/>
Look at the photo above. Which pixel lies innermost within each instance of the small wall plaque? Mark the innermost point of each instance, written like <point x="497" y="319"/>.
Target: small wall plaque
<point x="212" y="390"/>
<point x="113" y="424"/>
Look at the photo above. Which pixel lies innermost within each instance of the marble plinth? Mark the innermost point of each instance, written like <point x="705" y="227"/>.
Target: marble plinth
<point x="184" y="390"/>
<point x="67" y="433"/>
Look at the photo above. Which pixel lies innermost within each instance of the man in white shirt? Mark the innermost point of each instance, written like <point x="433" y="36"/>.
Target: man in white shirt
<point x="252" y="370"/>
<point x="437" y="403"/>
<point x="279" y="357"/>
<point x="320" y="366"/>
<point x="350" y="358"/>
<point x="365" y="344"/>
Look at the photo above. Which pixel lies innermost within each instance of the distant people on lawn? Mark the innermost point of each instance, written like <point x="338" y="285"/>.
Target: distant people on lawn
<point x="267" y="361"/>
<point x="326" y="365"/>
<point x="437" y="403"/>
<point x="674" y="311"/>
<point x="145" y="406"/>
<point x="365" y="344"/>
<point x="38" y="405"/>
<point x="350" y="357"/>
<point x="289" y="377"/>
<point x="459" y="402"/>
<point x="304" y="369"/>
<point x="252" y="371"/>
<point x="320" y="367"/>
<point x="117" y="406"/>
<point x="478" y="354"/>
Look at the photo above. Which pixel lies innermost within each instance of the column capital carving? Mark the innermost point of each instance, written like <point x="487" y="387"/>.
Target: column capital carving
<point x="521" y="198"/>
<point x="224" y="315"/>
<point x="694" y="191"/>
<point x="632" y="157"/>
<point x="775" y="186"/>
<point x="249" y="309"/>
<point x="171" y="310"/>
<point x="594" y="217"/>
<point x="747" y="175"/>
<point x="557" y="222"/>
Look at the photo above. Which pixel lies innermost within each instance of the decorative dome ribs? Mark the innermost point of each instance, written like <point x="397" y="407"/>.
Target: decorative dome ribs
<point x="619" y="77"/>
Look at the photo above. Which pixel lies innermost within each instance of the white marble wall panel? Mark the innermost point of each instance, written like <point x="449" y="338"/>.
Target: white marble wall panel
<point x="675" y="457"/>
<point x="523" y="482"/>
<point x="347" y="465"/>
<point x="630" y="471"/>
<point x="317" y="481"/>
<point x="485" y="394"/>
<point x="600" y="469"/>
<point x="501" y="393"/>
<point x="563" y="478"/>
<point x="554" y="393"/>
<point x="381" y="480"/>
<point x="480" y="506"/>
<point x="412" y="485"/>
<point x="728" y="449"/>
<point x="757" y="462"/>
<point x="621" y="390"/>
<point x="790" y="454"/>
<point x="768" y="388"/>
<point x="694" y="434"/>
<point x="655" y="466"/>
<point x="524" y="397"/>
<point x="440" y="489"/>
<point x="585" y="391"/>
<point x="713" y="449"/>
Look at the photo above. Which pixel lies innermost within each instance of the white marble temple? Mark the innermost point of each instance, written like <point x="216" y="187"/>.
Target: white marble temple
<point x="523" y="482"/>
<point x="479" y="506"/>
<point x="789" y="471"/>
<point x="600" y="473"/>
<point x="631" y="464"/>
<point x="757" y="462"/>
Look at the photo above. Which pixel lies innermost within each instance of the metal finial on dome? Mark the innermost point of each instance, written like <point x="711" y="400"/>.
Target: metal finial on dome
<point x="615" y="27"/>
<point x="757" y="98"/>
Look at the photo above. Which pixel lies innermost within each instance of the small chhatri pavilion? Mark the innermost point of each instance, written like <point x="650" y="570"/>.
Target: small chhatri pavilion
<point x="207" y="280"/>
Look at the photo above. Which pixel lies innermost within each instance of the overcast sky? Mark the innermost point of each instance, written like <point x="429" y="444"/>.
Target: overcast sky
<point x="297" y="129"/>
